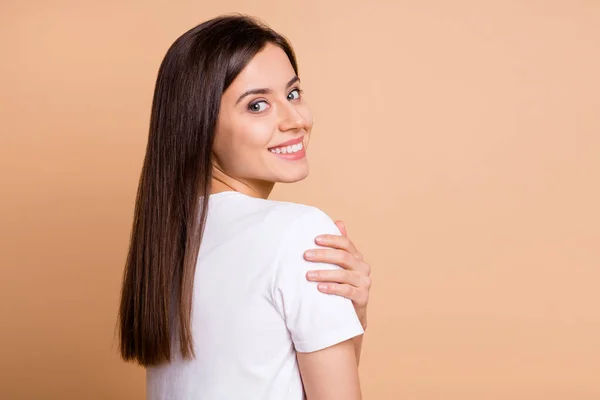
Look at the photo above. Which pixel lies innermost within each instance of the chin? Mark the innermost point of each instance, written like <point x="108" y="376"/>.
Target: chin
<point x="293" y="176"/>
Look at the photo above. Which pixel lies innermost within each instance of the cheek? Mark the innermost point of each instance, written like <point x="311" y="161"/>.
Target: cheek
<point x="252" y="137"/>
<point x="306" y="113"/>
<point x="308" y="117"/>
<point x="244" y="145"/>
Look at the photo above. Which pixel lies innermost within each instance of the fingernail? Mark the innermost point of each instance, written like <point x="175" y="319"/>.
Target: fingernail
<point x="309" y="254"/>
<point x="321" y="239"/>
<point x="322" y="286"/>
<point x="311" y="274"/>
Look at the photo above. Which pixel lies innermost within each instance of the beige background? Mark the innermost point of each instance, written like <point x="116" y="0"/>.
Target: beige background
<point x="460" y="140"/>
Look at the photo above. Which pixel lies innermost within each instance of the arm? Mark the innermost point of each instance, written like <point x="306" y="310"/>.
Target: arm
<point x="357" y="343"/>
<point x="331" y="373"/>
<point x="322" y="326"/>
<point x="354" y="282"/>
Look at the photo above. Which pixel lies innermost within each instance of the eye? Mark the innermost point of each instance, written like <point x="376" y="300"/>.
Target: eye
<point x="297" y="91"/>
<point x="256" y="107"/>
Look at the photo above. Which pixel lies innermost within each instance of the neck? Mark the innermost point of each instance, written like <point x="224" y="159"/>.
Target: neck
<point x="222" y="183"/>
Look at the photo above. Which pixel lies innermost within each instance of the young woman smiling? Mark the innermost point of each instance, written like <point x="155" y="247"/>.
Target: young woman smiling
<point x="219" y="299"/>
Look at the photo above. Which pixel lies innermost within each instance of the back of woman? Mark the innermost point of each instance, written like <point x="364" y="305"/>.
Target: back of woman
<point x="216" y="300"/>
<point x="252" y="307"/>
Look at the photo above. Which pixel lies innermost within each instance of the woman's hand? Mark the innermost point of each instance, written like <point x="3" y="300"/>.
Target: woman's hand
<point x="353" y="281"/>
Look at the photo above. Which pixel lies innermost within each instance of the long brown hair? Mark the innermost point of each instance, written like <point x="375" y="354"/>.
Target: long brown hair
<point x="171" y="202"/>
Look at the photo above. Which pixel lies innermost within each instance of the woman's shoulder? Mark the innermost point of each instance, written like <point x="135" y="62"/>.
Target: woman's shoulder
<point x="304" y="220"/>
<point x="299" y="211"/>
<point x="282" y="218"/>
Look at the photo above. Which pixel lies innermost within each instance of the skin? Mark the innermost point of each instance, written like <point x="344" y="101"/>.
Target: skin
<point x="247" y="127"/>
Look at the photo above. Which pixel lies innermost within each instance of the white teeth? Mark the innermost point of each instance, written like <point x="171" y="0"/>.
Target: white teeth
<point x="288" y="149"/>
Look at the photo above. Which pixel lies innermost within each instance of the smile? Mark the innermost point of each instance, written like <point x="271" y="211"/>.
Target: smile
<point x="294" y="148"/>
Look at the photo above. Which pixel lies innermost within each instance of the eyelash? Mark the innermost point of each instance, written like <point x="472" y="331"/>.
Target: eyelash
<point x="300" y="91"/>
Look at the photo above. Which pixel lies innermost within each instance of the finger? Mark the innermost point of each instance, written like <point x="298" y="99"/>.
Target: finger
<point x="342" y="227"/>
<point x="335" y="276"/>
<point x="347" y="291"/>
<point x="339" y="242"/>
<point x="338" y="257"/>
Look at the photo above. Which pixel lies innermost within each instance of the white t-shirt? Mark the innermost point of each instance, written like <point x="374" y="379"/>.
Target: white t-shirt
<point x="253" y="307"/>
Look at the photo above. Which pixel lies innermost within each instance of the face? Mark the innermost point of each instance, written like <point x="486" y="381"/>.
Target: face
<point x="264" y="125"/>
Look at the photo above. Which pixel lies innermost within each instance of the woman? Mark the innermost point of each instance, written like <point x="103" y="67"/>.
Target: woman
<point x="216" y="299"/>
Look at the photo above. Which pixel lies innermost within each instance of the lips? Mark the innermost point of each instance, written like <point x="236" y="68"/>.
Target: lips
<point x="289" y="143"/>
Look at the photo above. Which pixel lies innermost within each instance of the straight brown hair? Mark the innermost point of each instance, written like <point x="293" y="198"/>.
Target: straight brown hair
<point x="171" y="203"/>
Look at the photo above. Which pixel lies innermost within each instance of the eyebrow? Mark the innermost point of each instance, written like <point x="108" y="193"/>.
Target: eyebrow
<point x="264" y="90"/>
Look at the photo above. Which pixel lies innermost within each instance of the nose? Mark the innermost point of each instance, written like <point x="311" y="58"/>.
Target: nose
<point x="291" y="118"/>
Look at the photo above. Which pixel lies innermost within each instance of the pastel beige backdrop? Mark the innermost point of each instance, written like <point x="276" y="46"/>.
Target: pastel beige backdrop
<point x="460" y="141"/>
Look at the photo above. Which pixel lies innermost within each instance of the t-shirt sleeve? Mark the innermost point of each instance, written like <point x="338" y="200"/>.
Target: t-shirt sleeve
<point x="314" y="319"/>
